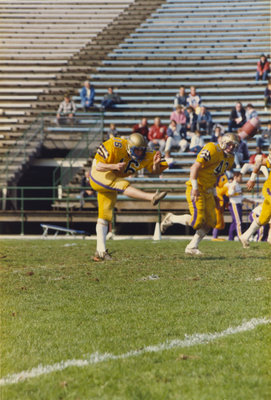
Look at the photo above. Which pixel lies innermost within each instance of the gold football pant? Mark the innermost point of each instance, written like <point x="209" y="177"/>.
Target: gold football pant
<point x="107" y="186"/>
<point x="203" y="210"/>
<point x="265" y="215"/>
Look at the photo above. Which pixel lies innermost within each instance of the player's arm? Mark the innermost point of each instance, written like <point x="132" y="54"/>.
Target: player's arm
<point x="194" y="171"/>
<point x="156" y="166"/>
<point x="104" y="167"/>
<point x="253" y="176"/>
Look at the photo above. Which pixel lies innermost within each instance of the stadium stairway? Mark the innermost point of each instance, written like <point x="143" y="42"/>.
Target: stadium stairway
<point x="51" y="48"/>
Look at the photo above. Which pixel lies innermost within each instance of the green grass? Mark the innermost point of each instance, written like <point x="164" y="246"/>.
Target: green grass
<point x="58" y="305"/>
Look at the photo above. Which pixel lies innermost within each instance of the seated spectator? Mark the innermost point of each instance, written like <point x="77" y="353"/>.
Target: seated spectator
<point x="174" y="139"/>
<point x="196" y="143"/>
<point x="193" y="99"/>
<point x="263" y="68"/>
<point x="66" y="111"/>
<point x="204" y="122"/>
<point x="112" y="131"/>
<point x="257" y="157"/>
<point x="251" y="112"/>
<point x="237" y="117"/>
<point x="241" y="154"/>
<point x="87" y="95"/>
<point x="191" y="119"/>
<point x="85" y="192"/>
<point x="265" y="138"/>
<point x="180" y="98"/>
<point x="157" y="135"/>
<point x="110" y="99"/>
<point x="267" y="96"/>
<point x="142" y="128"/>
<point x="179" y="117"/>
<point x="218" y="132"/>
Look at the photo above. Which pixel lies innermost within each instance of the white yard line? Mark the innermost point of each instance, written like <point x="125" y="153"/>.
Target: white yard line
<point x="188" y="341"/>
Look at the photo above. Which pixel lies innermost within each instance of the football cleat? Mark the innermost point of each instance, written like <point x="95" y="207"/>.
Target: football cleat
<point x="105" y="256"/>
<point x="157" y="197"/>
<point x="244" y="242"/>
<point x="193" y="252"/>
<point x="166" y="223"/>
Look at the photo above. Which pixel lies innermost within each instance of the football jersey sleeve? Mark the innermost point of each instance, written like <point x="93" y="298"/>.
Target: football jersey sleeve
<point x="207" y="154"/>
<point x="111" y="151"/>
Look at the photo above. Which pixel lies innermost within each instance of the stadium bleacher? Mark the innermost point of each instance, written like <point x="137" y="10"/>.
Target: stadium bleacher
<point x="146" y="50"/>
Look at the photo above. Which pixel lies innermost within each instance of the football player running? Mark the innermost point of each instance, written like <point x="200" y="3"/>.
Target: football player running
<point x="211" y="162"/>
<point x="116" y="159"/>
<point x="265" y="215"/>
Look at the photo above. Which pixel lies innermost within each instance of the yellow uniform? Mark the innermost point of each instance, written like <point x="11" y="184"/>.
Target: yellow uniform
<point x="214" y="163"/>
<point x="265" y="215"/>
<point x="222" y="194"/>
<point x="109" y="183"/>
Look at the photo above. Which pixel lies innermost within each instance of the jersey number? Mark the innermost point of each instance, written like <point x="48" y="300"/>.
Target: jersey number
<point x="219" y="168"/>
<point x="129" y="167"/>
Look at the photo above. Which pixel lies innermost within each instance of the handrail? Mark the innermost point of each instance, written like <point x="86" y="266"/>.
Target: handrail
<point x="63" y="174"/>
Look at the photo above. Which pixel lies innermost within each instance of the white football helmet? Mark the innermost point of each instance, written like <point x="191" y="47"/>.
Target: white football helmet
<point x="136" y="142"/>
<point x="227" y="140"/>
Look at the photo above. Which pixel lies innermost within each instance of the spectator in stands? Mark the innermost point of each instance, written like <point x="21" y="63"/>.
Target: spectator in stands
<point x="256" y="157"/>
<point x="66" y="111"/>
<point x="112" y="131"/>
<point x="218" y="132"/>
<point x="237" y="117"/>
<point x="193" y="99"/>
<point x="87" y="95"/>
<point x="157" y="135"/>
<point x="142" y="128"/>
<point x="191" y="119"/>
<point x="85" y="192"/>
<point x="241" y="154"/>
<point x="267" y="96"/>
<point x="110" y="99"/>
<point x="179" y="117"/>
<point x="263" y="68"/>
<point x="196" y="143"/>
<point x="180" y="98"/>
<point x="251" y="112"/>
<point x="174" y="139"/>
<point x="204" y="122"/>
<point x="265" y="138"/>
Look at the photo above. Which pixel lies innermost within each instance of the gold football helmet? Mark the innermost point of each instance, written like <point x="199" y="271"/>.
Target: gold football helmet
<point x="229" y="142"/>
<point x="136" y="142"/>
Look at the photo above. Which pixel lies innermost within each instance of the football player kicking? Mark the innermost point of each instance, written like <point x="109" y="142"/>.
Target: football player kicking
<point x="115" y="159"/>
<point x="265" y="215"/>
<point x="212" y="162"/>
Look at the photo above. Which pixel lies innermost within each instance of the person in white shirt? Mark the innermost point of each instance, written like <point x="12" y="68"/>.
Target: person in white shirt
<point x="235" y="205"/>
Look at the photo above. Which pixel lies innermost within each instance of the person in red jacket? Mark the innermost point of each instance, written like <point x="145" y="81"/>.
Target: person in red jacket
<point x="157" y="135"/>
<point x="263" y="68"/>
<point x="142" y="128"/>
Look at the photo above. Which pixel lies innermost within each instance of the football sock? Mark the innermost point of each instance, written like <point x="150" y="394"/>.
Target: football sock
<point x="101" y="230"/>
<point x="199" y="235"/>
<point x="251" y="230"/>
<point x="181" y="219"/>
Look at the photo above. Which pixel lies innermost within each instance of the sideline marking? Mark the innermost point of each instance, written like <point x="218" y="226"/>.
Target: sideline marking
<point x="95" y="358"/>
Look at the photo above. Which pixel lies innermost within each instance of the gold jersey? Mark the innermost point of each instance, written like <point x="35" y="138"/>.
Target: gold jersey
<point x="267" y="183"/>
<point x="214" y="163"/>
<point x="114" y="151"/>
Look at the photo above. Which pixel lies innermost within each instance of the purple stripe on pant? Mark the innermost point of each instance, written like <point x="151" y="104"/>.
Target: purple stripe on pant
<point x="235" y="227"/>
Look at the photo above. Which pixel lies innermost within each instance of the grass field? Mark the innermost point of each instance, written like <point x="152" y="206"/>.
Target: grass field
<point x="57" y="305"/>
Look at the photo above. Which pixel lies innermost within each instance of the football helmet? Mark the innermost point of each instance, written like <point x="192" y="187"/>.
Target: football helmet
<point x="227" y="140"/>
<point x="136" y="142"/>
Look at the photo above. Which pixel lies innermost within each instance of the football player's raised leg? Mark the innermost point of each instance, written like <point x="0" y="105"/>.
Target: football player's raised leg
<point x="135" y="193"/>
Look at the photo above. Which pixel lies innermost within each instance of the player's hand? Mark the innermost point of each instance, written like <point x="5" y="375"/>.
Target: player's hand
<point x="120" y="167"/>
<point x="157" y="158"/>
<point x="250" y="185"/>
<point x="217" y="203"/>
<point x="194" y="194"/>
